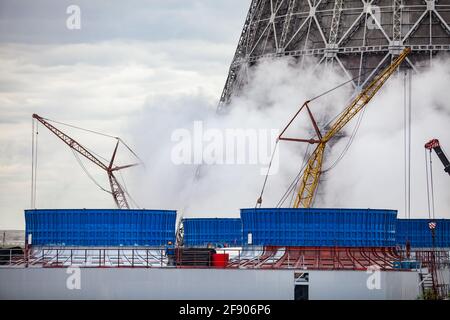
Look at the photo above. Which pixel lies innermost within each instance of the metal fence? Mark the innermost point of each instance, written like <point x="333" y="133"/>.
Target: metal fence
<point x="86" y="257"/>
<point x="312" y="258"/>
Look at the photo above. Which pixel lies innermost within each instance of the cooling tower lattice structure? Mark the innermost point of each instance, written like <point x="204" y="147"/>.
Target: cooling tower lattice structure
<point x="358" y="36"/>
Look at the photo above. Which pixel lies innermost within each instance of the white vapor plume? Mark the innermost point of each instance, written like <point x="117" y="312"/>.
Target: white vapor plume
<point x="371" y="174"/>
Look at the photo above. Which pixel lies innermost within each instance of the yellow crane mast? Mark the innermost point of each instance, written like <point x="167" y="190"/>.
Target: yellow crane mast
<point x="309" y="180"/>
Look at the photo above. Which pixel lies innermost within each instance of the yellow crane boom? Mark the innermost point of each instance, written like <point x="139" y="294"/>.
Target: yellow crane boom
<point x="309" y="180"/>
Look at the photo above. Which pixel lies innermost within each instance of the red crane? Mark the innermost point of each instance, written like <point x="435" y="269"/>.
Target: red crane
<point x="439" y="290"/>
<point x="434" y="145"/>
<point x="117" y="191"/>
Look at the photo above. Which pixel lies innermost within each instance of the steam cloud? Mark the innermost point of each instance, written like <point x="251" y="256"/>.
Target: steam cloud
<point x="371" y="174"/>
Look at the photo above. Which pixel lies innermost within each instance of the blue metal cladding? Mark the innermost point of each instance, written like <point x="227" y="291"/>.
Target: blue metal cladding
<point x="215" y="231"/>
<point x="319" y="227"/>
<point x="419" y="234"/>
<point x="103" y="227"/>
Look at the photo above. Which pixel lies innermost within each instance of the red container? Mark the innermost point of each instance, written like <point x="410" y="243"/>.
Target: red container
<point x="220" y="260"/>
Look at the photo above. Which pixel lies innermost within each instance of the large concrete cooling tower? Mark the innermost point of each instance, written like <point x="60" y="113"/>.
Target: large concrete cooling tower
<point x="358" y="36"/>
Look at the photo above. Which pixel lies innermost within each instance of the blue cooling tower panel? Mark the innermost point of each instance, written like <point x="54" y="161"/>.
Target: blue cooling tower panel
<point x="101" y="227"/>
<point x="212" y="231"/>
<point x="319" y="227"/>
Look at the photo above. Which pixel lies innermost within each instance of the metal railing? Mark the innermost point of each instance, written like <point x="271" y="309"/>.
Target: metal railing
<point x="320" y="258"/>
<point x="12" y="256"/>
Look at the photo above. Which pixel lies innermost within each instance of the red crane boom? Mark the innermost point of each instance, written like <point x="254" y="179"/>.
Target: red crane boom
<point x="435" y="145"/>
<point x="117" y="191"/>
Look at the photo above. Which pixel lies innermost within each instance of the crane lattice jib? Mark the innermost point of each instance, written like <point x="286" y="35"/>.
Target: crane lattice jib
<point x="311" y="175"/>
<point x="310" y="178"/>
<point x="116" y="190"/>
<point x="71" y="142"/>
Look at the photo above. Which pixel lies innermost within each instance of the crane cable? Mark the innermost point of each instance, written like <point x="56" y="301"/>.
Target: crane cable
<point x="98" y="155"/>
<point x="132" y="152"/>
<point x="123" y="186"/>
<point x="36" y="165"/>
<point x="32" y="164"/>
<point x="430" y="183"/>
<point x="34" y="160"/>
<point x="407" y="140"/>
<point x="432" y="186"/>
<point x="87" y="172"/>
<point x="291" y="188"/>
<point x="339" y="86"/>
<point x="98" y="133"/>
<point x="304" y="164"/>
<point x="126" y="191"/>
<point x="349" y="142"/>
<point x="355" y="129"/>
<point x="431" y="212"/>
<point x="294" y="182"/>
<point x="296" y="179"/>
<point x="259" y="201"/>
<point x="79" y="128"/>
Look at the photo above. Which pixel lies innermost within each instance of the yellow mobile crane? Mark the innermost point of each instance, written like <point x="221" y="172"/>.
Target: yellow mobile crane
<point x="309" y="180"/>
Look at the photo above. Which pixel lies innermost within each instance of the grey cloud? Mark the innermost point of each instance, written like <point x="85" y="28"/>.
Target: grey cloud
<point x="100" y="77"/>
<point x="44" y="21"/>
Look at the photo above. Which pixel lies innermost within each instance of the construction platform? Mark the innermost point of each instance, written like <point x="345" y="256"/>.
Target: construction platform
<point x="292" y="273"/>
<point x="303" y="258"/>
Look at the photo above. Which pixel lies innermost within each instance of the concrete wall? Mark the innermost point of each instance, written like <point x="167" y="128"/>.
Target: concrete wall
<point x="39" y="283"/>
<point x="392" y="285"/>
<point x="444" y="275"/>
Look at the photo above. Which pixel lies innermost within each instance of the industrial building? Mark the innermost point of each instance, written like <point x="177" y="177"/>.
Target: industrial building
<point x="299" y="252"/>
<point x="282" y="254"/>
<point x="358" y="37"/>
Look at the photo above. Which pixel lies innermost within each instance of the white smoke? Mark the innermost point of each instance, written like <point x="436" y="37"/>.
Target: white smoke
<point x="371" y="174"/>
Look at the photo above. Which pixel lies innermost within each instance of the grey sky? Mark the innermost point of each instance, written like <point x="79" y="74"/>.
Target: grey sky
<point x="126" y="54"/>
<point x="139" y="69"/>
<point x="43" y="21"/>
